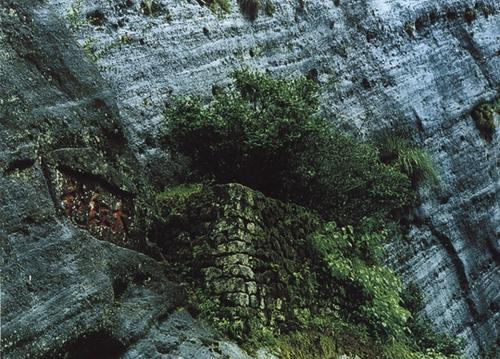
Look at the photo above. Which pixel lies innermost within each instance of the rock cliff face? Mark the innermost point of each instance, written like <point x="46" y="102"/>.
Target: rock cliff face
<point x="64" y="293"/>
<point x="421" y="65"/>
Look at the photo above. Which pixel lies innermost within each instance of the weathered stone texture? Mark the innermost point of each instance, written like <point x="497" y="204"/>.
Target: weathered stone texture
<point x="253" y="254"/>
<point x="422" y="65"/>
<point x="65" y="294"/>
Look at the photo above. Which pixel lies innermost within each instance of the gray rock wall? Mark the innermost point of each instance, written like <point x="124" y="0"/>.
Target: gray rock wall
<point x="422" y="65"/>
<point x="64" y="294"/>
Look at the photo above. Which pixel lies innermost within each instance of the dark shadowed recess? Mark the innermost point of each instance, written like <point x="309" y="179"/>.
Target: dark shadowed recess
<point x="92" y="346"/>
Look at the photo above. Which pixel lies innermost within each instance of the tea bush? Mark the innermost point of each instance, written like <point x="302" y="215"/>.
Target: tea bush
<point x="266" y="133"/>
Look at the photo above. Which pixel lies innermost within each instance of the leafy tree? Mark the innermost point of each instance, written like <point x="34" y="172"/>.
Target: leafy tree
<point x="265" y="133"/>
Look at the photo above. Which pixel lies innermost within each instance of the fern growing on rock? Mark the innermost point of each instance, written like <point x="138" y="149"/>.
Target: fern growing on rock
<point x="417" y="164"/>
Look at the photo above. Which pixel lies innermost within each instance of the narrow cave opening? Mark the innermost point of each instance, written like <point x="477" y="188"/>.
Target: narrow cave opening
<point x="91" y="346"/>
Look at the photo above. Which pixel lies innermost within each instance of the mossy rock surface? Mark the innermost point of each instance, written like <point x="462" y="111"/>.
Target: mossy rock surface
<point x="250" y="254"/>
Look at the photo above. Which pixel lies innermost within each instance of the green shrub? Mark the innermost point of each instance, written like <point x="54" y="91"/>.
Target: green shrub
<point x="344" y="180"/>
<point x="380" y="304"/>
<point x="250" y="8"/>
<point x="377" y="289"/>
<point x="423" y="337"/>
<point x="414" y="162"/>
<point x="484" y="118"/>
<point x="264" y="133"/>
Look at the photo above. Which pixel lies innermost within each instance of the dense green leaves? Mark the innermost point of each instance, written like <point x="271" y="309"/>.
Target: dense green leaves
<point x="390" y="313"/>
<point x="344" y="253"/>
<point x="264" y="133"/>
<point x="344" y="180"/>
<point x="414" y="162"/>
<point x="484" y="117"/>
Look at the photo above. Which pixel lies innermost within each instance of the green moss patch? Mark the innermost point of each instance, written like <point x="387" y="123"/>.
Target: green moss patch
<point x="484" y="118"/>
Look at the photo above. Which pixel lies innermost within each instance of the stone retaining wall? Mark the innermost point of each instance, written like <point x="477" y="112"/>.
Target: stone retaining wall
<point x="245" y="251"/>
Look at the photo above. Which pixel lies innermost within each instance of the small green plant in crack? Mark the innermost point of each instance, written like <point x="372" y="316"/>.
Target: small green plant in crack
<point x="150" y="7"/>
<point x="470" y="15"/>
<point x="399" y="153"/>
<point x="90" y="50"/>
<point x="216" y="5"/>
<point x="176" y="198"/>
<point x="126" y="39"/>
<point x="409" y="27"/>
<point x="179" y="192"/>
<point x="168" y="15"/>
<point x="96" y="17"/>
<point x="269" y="8"/>
<point x="484" y="118"/>
<point x="75" y="14"/>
